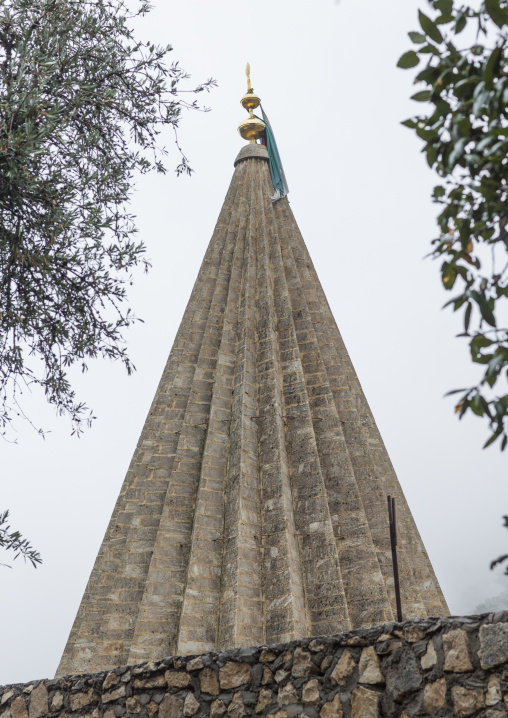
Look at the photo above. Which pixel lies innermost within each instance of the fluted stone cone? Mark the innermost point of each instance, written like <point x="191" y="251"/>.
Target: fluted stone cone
<point x="254" y="509"/>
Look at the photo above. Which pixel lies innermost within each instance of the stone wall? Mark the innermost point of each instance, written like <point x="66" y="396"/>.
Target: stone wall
<point x="439" y="667"/>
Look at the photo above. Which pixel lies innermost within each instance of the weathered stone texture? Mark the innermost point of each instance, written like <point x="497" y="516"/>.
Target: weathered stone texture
<point x="369" y="669"/>
<point x="18" y="708"/>
<point x="364" y="703"/>
<point x="343" y="669"/>
<point x="209" y="682"/>
<point x="466" y="702"/>
<point x="38" y="702"/>
<point x="332" y="709"/>
<point x="429" y="659"/>
<point x="233" y="675"/>
<point x="310" y="692"/>
<point x="254" y="508"/>
<point x="171" y="707"/>
<point x="429" y="667"/>
<point x="217" y="709"/>
<point x="434" y="696"/>
<point x="456" y="652"/>
<point x="493" y="645"/>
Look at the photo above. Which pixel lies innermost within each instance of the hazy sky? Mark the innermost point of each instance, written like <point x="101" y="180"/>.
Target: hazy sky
<point x="360" y="192"/>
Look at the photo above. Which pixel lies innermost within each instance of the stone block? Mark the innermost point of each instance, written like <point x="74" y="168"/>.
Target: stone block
<point x="287" y="695"/>
<point x="364" y="703"/>
<point x="133" y="704"/>
<point x="57" y="701"/>
<point x="267" y="656"/>
<point x="152" y="682"/>
<point x="77" y="701"/>
<point x="217" y="709"/>
<point x="236" y="708"/>
<point x="233" y="675"/>
<point x="302" y="664"/>
<point x="345" y="666"/>
<point x="209" y="682"/>
<point x="466" y="702"/>
<point x="493" y="644"/>
<point x="171" y="707"/>
<point x="412" y="634"/>
<point x="267" y="676"/>
<point x="265" y="698"/>
<point x="434" y="696"/>
<point x="332" y="709"/>
<point x="456" y="652"/>
<point x="18" y="708"/>
<point x="369" y="669"/>
<point x="429" y="658"/>
<point x="114" y="694"/>
<point x="38" y="702"/>
<point x="310" y="692"/>
<point x="111" y="680"/>
<point x="177" y="679"/>
<point x="494" y="694"/>
<point x="403" y="676"/>
<point x="190" y="705"/>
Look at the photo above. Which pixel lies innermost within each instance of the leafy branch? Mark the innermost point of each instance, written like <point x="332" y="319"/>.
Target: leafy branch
<point x="13" y="541"/>
<point x="464" y="128"/>
<point x="83" y="103"/>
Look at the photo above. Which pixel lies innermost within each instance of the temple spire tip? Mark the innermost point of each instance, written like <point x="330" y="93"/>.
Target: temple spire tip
<point x="250" y="129"/>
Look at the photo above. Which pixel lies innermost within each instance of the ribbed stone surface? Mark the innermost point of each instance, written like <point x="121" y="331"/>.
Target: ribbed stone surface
<point x="254" y="508"/>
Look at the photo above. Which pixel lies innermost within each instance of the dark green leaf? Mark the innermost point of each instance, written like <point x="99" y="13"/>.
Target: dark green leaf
<point x="429" y="49"/>
<point x="408" y="59"/>
<point x="426" y="135"/>
<point x="457" y="152"/>
<point x="444" y="19"/>
<point x="486" y="313"/>
<point x="460" y="23"/>
<point x="467" y="317"/>
<point x="429" y="28"/>
<point x="490" y="441"/>
<point x="477" y="405"/>
<point x="423" y="96"/>
<point x="479" y="103"/>
<point x="444" y="6"/>
<point x="432" y="153"/>
<point x="449" y="275"/>
<point x="417" y="37"/>
<point x="497" y="14"/>
<point x="492" y="66"/>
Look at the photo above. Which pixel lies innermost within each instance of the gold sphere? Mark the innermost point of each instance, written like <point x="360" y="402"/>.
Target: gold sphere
<point x="251" y="129"/>
<point x="250" y="101"/>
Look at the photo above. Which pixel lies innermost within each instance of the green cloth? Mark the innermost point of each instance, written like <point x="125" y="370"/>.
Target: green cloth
<point x="274" y="163"/>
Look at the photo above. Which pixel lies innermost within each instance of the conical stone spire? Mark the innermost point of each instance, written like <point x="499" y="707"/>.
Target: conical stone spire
<point x="254" y="508"/>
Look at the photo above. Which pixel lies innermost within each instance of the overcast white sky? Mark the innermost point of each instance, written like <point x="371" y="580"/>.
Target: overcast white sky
<point x="360" y="192"/>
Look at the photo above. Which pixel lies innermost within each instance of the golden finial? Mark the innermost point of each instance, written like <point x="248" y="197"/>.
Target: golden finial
<point x="252" y="128"/>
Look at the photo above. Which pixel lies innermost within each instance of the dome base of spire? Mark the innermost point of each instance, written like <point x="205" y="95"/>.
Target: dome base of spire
<point x="248" y="151"/>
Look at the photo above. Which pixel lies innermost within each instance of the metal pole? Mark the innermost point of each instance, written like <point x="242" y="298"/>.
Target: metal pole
<point x="393" y="540"/>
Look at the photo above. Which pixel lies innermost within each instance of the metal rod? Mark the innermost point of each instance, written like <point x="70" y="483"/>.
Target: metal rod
<point x="393" y="540"/>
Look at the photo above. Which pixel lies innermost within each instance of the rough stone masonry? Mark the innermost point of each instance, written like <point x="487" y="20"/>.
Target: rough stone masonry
<point x="434" y="667"/>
